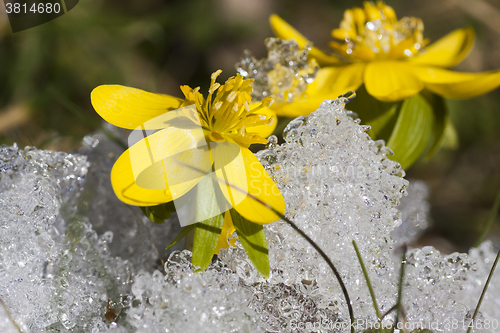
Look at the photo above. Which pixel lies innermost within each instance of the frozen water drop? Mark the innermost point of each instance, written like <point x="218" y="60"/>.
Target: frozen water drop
<point x="291" y="130"/>
<point x="272" y="142"/>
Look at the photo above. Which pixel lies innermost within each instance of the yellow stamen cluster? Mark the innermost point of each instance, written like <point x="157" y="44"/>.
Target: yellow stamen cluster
<point x="374" y="33"/>
<point x="226" y="110"/>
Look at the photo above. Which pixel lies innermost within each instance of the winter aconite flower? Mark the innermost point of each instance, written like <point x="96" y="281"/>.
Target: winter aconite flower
<point x="194" y="151"/>
<point x="389" y="56"/>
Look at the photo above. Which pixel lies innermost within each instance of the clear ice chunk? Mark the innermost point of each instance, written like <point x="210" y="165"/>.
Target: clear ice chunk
<point x="415" y="213"/>
<point x="75" y="259"/>
<point x="55" y="274"/>
<point x="284" y="74"/>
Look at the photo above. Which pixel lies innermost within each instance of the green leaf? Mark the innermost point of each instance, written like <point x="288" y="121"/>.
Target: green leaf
<point x="207" y="232"/>
<point x="253" y="239"/>
<point x="206" y="237"/>
<point x="159" y="213"/>
<point x="381" y="116"/>
<point x="181" y="235"/>
<point x="413" y="130"/>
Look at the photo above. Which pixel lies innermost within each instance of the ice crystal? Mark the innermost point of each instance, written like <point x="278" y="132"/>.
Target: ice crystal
<point x="74" y="259"/>
<point x="136" y="239"/>
<point x="284" y="74"/>
<point x="414" y="210"/>
<point x="54" y="272"/>
<point x="345" y="189"/>
<point x="183" y="301"/>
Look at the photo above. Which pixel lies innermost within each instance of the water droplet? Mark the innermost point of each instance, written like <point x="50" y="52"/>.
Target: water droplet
<point x="291" y="130"/>
<point x="272" y="142"/>
<point x="347" y="97"/>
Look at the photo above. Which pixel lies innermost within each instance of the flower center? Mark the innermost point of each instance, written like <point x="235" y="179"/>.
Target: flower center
<point x="226" y="110"/>
<point x="374" y="33"/>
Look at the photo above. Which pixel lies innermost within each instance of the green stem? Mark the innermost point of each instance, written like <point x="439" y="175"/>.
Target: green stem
<point x="326" y="258"/>
<point x="368" y="282"/>
<point x="489" y="221"/>
<point x="400" y="287"/>
<point x="483" y="293"/>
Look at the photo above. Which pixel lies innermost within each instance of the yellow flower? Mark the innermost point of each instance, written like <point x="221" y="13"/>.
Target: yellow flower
<point x="387" y="55"/>
<point x="226" y="122"/>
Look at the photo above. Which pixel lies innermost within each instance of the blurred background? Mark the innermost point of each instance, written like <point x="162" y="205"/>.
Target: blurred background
<point x="48" y="72"/>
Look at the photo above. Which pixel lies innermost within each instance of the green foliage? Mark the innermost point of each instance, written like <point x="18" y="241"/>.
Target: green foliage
<point x="206" y="237"/>
<point x="253" y="239"/>
<point x="381" y="116"/>
<point x="159" y="213"/>
<point x="181" y="235"/>
<point x="412" y="132"/>
<point x="207" y="232"/>
<point x="413" y="128"/>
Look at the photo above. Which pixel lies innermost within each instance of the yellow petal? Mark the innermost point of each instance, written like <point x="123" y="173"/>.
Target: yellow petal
<point x="130" y="107"/>
<point x="123" y="181"/>
<point x="447" y="51"/>
<point x="330" y="82"/>
<point x="285" y="31"/>
<point x="161" y="167"/>
<point x="246" y="176"/>
<point x="227" y="231"/>
<point x="391" y="81"/>
<point x="457" y="85"/>
<point x="266" y="129"/>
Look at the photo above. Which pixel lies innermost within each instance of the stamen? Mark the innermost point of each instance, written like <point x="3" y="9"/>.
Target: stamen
<point x="215" y="74"/>
<point x="213" y="88"/>
<point x="231" y="96"/>
<point x="374" y="32"/>
<point x="226" y="110"/>
<point x="268" y="101"/>
<point x="208" y="102"/>
<point x="265" y="103"/>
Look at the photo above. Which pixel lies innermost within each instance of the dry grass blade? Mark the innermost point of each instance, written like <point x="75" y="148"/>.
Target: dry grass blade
<point x="9" y="315"/>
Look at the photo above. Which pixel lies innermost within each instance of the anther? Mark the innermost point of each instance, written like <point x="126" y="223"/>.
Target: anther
<point x="213" y="88"/>
<point x="215" y="74"/>
<point x="231" y="96"/>
<point x="268" y="101"/>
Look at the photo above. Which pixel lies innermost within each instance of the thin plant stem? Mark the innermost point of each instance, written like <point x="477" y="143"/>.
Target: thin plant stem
<point x="9" y="315"/>
<point x="489" y="221"/>
<point x="483" y="293"/>
<point x="369" y="284"/>
<point x="301" y="233"/>
<point x="389" y="311"/>
<point x="327" y="259"/>
<point x="400" y="287"/>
